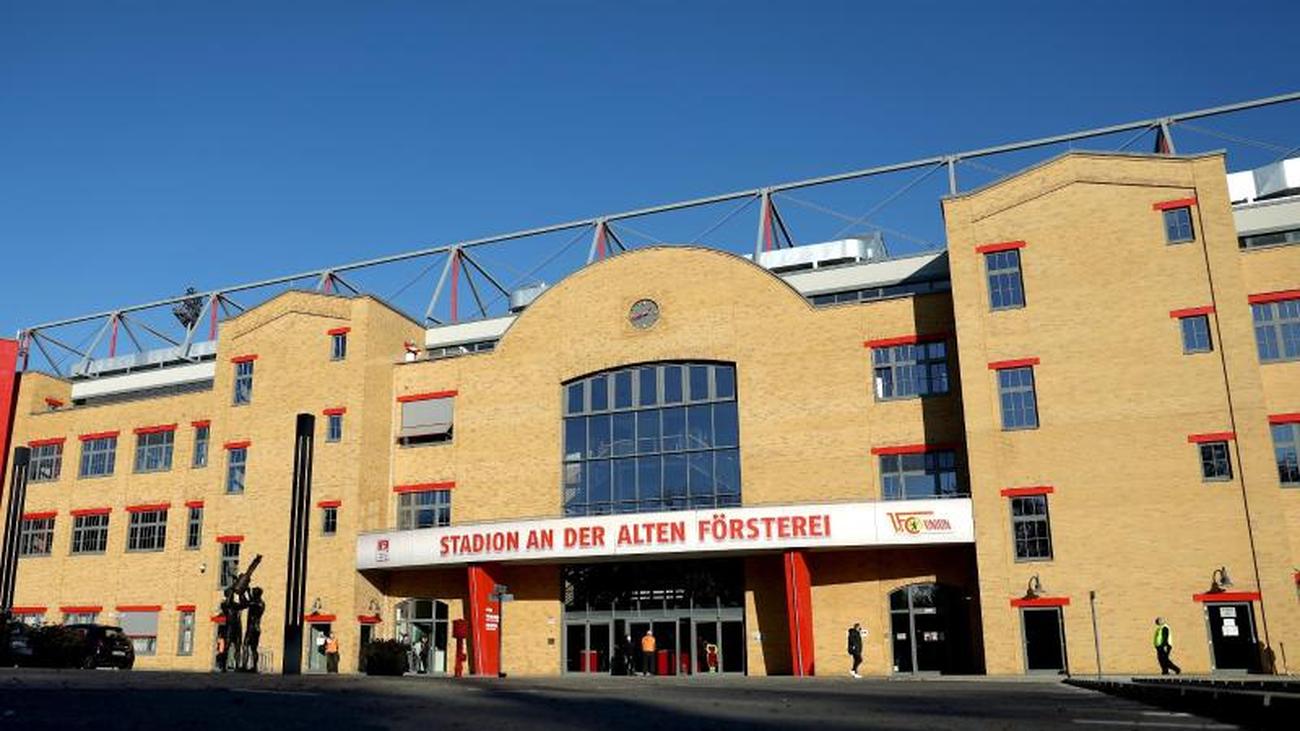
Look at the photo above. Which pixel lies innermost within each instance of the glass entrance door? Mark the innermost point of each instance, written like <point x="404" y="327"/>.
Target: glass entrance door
<point x="921" y="622"/>
<point x="316" y="648"/>
<point x="422" y="624"/>
<point x="1232" y="635"/>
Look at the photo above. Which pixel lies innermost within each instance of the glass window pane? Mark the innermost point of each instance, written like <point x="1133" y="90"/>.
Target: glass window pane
<point x="600" y="393"/>
<point x="674" y="429"/>
<point x="575" y="437"/>
<point x="648" y="386"/>
<point x="726" y="430"/>
<point x="647" y="431"/>
<point x="672" y="384"/>
<point x="576" y="392"/>
<point x="675" y="479"/>
<point x="598" y="436"/>
<point x="701" y="473"/>
<point x="727" y="469"/>
<point x="699" y="383"/>
<point x="699" y="426"/>
<point x="724" y="381"/>
<point x="623" y="390"/>
<point x="624" y="433"/>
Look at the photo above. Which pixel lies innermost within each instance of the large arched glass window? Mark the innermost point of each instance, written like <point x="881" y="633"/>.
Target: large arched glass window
<point x="660" y="436"/>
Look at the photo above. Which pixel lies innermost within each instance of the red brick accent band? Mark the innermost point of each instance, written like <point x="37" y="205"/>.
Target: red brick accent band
<point x="319" y="618"/>
<point x="368" y="619"/>
<point x="999" y="365"/>
<point x="47" y="442"/>
<point x="98" y="435"/>
<point x="329" y="503"/>
<point x="185" y="607"/>
<point x="336" y="411"/>
<point x="148" y="508"/>
<point x="425" y="396"/>
<point x="1284" y="418"/>
<point x="218" y="619"/>
<point x="53" y="402"/>
<point x="139" y="607"/>
<point x="1002" y="246"/>
<point x="1217" y="436"/>
<point x="90" y="511"/>
<point x="905" y="340"/>
<point x="1023" y="491"/>
<point x="230" y="539"/>
<point x="1041" y="601"/>
<point x="237" y="445"/>
<point x="243" y="358"/>
<point x="1192" y="311"/>
<point x="338" y="331"/>
<point x="1227" y="596"/>
<point x="201" y="423"/>
<point x="29" y="610"/>
<point x="912" y="449"/>
<point x="1175" y="203"/>
<point x="155" y="429"/>
<point x="193" y="503"/>
<point x="1279" y="296"/>
<point x="42" y="515"/>
<point x="81" y="608"/>
<point x="425" y="486"/>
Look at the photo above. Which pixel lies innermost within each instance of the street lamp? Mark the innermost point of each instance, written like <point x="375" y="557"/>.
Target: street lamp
<point x="501" y="593"/>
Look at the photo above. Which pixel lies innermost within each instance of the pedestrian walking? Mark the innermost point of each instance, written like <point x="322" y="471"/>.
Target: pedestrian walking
<point x="647" y="652"/>
<point x="1163" y="641"/>
<point x="855" y="648"/>
<point x="331" y="653"/>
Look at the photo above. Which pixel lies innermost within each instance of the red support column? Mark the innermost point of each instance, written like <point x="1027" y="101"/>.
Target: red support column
<point x="767" y="223"/>
<point x="455" y="282"/>
<point x="9" y="377"/>
<point x="484" y="621"/>
<point x="600" y="240"/>
<point x="212" y="318"/>
<point x="112" y="339"/>
<point x="798" y="607"/>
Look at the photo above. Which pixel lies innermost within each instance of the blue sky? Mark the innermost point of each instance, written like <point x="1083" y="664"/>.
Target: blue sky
<point x="146" y="147"/>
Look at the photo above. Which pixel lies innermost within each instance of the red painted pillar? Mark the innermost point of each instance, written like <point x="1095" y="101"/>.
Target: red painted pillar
<point x="455" y="284"/>
<point x="600" y="240"/>
<point x="8" y="399"/>
<point x="112" y="339"/>
<point x="212" y="322"/>
<point x="767" y="223"/>
<point x="484" y="620"/>
<point x="798" y="607"/>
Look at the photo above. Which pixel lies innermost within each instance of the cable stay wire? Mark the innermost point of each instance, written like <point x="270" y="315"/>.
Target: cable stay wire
<point x="1235" y="138"/>
<point x="845" y="217"/>
<point x="889" y="199"/>
<point x="627" y="227"/>
<point x="698" y="238"/>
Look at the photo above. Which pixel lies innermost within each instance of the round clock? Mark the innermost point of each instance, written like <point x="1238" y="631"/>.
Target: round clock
<point x="644" y="313"/>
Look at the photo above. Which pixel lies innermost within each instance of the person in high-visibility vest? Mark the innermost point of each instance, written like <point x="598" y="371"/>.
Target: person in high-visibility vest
<point x="647" y="652"/>
<point x="1163" y="642"/>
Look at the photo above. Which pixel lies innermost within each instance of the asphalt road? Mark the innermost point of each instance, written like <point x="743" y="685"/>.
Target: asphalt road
<point x="105" y="699"/>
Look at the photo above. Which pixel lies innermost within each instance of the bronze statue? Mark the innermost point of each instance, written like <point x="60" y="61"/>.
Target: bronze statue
<point x="253" y="634"/>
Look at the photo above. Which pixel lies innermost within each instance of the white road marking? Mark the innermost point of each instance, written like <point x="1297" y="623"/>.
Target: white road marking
<point x="1166" y="713"/>
<point x="272" y="692"/>
<point x="1151" y="724"/>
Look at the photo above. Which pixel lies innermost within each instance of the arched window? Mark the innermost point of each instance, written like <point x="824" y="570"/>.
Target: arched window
<point x="660" y="436"/>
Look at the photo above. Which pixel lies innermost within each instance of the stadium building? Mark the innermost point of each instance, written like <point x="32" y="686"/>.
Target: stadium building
<point x="1006" y="457"/>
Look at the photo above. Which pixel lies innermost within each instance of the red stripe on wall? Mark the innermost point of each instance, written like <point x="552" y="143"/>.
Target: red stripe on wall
<point x="1284" y="418"/>
<point x="1176" y="203"/>
<point x="319" y="618"/>
<point x="29" y="610"/>
<point x="1227" y="596"/>
<point x="912" y="448"/>
<point x="1023" y="491"/>
<point x="425" y="396"/>
<point x="1041" y="601"/>
<point x="338" y="331"/>
<point x="193" y="503"/>
<point x="329" y="503"/>
<point x="47" y="442"/>
<point x="1192" y="311"/>
<point x="237" y="445"/>
<point x="41" y="515"/>
<point x="425" y="486"/>
<point x="53" y="402"/>
<point x="81" y="608"/>
<point x="230" y="539"/>
<point x="1286" y="294"/>
<point x="998" y="365"/>
<point x="139" y="607"/>
<point x="148" y="508"/>
<point x="90" y="511"/>
<point x="798" y="612"/>
<point x="336" y="411"/>
<point x="368" y="619"/>
<point x="1001" y="246"/>
<point x="218" y="619"/>
<point x="243" y="358"/>
<point x="1218" y="436"/>
<point x="155" y="429"/>
<point x="98" y="435"/>
<point x="185" y="607"/>
<point x="905" y="340"/>
<point x="201" y="422"/>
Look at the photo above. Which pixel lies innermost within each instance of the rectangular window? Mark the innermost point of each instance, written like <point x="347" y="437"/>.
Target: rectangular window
<point x="142" y="629"/>
<point x="98" y="456"/>
<point x="428" y="509"/>
<point x="919" y="476"/>
<point x="147" y="531"/>
<point x="236" y="469"/>
<point x="229" y="565"/>
<point x="185" y="638"/>
<point x="329" y="520"/>
<point x="1272" y="238"/>
<point x="1286" y="447"/>
<point x="1006" y="288"/>
<point x="80" y="617"/>
<point x="1030" y="528"/>
<point x="334" y="427"/>
<point x="427" y="421"/>
<point x="1277" y="330"/>
<point x="153" y="451"/>
<point x="908" y="371"/>
<point x="202" y="436"/>
<point x="243" y="382"/>
<point x="338" y="346"/>
<point x="194" y="528"/>
<point x="1215" y="463"/>
<point x="1178" y="225"/>
<point x="1018" y="399"/>
<point x="1196" y="334"/>
<point x="35" y="536"/>
<point x="46" y="462"/>
<point x="90" y="533"/>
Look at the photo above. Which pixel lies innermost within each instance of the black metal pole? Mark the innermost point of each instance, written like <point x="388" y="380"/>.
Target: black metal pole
<point x="13" y="527"/>
<point x="295" y="590"/>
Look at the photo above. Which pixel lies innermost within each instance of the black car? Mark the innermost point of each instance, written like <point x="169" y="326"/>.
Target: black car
<point x="19" y="645"/>
<point x="83" y="646"/>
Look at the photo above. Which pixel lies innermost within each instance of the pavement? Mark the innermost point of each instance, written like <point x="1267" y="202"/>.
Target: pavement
<point x="109" y="699"/>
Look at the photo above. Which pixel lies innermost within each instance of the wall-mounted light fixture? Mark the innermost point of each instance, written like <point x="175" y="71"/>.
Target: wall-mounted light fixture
<point x="1035" y="587"/>
<point x="1219" y="580"/>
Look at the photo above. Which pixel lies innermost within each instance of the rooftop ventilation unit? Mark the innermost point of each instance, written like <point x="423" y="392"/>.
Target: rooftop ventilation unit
<point x="1271" y="181"/>
<point x="524" y="296"/>
<point x="828" y="254"/>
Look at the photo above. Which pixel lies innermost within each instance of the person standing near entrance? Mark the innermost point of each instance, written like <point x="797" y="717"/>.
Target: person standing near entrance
<point x="1163" y="641"/>
<point x="331" y="653"/>
<point x="855" y="648"/>
<point x="647" y="652"/>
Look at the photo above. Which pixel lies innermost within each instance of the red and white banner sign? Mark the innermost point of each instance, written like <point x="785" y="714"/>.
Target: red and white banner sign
<point x="833" y="525"/>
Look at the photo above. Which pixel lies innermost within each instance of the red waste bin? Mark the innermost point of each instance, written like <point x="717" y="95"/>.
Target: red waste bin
<point x="590" y="661"/>
<point x="665" y="662"/>
<point x="684" y="663"/>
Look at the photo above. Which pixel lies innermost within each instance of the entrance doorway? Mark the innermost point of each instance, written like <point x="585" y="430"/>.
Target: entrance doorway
<point x="694" y="610"/>
<point x="1233" y="646"/>
<point x="925" y="622"/>
<point x="423" y="624"/>
<point x="366" y="634"/>
<point x="316" y="647"/>
<point x="1043" y="630"/>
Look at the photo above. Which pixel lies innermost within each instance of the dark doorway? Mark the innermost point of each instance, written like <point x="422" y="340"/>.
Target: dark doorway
<point x="1044" y="636"/>
<point x="1232" y="636"/>
<point x="927" y="630"/>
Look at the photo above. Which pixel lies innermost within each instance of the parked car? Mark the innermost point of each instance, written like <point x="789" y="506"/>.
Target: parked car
<point x="19" y="645"/>
<point x="81" y="646"/>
